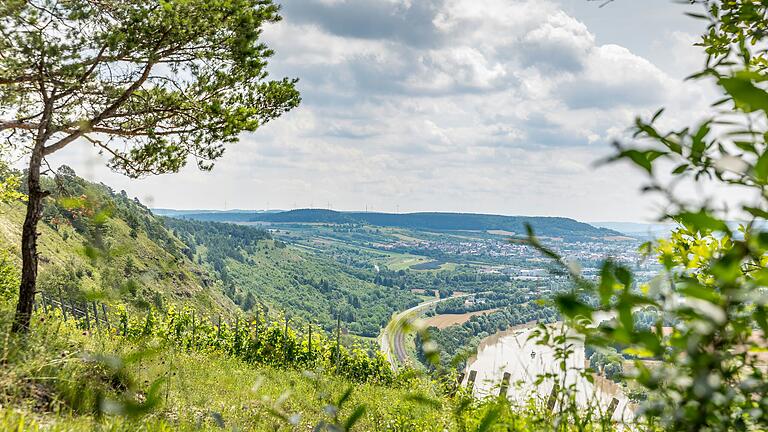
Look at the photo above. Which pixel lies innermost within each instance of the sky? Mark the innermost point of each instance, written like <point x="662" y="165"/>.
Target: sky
<point x="483" y="106"/>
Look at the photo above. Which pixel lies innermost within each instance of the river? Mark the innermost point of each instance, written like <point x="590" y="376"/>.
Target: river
<point x="512" y="351"/>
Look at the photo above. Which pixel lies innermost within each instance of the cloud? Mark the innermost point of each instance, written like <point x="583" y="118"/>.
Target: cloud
<point x="614" y="76"/>
<point x="560" y="44"/>
<point x="399" y="20"/>
<point x="498" y="106"/>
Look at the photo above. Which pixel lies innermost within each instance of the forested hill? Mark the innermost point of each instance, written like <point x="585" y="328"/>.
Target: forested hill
<point x="543" y="226"/>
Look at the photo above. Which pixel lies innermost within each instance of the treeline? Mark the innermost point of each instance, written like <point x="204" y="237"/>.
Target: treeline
<point x="463" y="279"/>
<point x="546" y="226"/>
<point x="221" y="240"/>
<point x="485" y="301"/>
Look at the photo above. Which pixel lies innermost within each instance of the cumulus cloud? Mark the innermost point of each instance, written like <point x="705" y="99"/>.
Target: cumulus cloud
<point x="499" y="106"/>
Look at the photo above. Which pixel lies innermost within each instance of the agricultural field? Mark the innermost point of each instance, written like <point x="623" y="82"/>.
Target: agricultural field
<point x="446" y="320"/>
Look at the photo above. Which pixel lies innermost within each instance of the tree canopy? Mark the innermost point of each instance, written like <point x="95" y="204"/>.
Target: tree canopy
<point x="148" y="83"/>
<point x="151" y="84"/>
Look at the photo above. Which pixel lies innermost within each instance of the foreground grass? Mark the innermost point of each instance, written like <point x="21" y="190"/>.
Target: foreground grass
<point x="62" y="379"/>
<point x="59" y="378"/>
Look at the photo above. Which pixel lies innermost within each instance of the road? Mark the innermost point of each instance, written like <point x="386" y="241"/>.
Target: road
<point x="392" y="338"/>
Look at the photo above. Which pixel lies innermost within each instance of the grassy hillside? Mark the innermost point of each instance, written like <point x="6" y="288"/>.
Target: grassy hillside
<point x="98" y="244"/>
<point x="61" y="378"/>
<point x="166" y="369"/>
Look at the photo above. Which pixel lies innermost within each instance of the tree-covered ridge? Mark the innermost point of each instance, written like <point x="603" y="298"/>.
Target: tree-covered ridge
<point x="547" y="226"/>
<point x="222" y="240"/>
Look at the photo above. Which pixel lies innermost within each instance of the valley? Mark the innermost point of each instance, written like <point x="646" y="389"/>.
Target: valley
<point x="201" y="225"/>
<point x="314" y="267"/>
<point x="470" y="282"/>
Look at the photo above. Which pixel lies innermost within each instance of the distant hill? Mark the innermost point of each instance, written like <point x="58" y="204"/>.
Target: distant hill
<point x="641" y="230"/>
<point x="176" y="213"/>
<point x="434" y="221"/>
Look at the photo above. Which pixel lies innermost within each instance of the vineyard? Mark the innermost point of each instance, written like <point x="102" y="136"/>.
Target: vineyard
<point x="258" y="341"/>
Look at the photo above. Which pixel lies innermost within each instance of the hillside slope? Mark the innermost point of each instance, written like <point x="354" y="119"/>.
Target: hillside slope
<point x="98" y="244"/>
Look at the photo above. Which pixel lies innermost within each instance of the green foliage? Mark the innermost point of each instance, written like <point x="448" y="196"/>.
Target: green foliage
<point x="608" y="361"/>
<point x="710" y="302"/>
<point x="193" y="76"/>
<point x="104" y="381"/>
<point x="481" y="302"/>
<point x="259" y="342"/>
<point x="9" y="276"/>
<point x="96" y="243"/>
<point x="221" y="241"/>
<point x="10" y="184"/>
<point x="256" y="270"/>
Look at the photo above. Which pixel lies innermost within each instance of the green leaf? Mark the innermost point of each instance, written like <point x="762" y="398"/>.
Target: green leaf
<point x="761" y="168"/>
<point x="701" y="292"/>
<point x="697" y="16"/>
<point x="746" y="96"/>
<point x="761" y="318"/>
<point x="344" y="397"/>
<point x="701" y="221"/>
<point x="354" y="417"/>
<point x="745" y="145"/>
<point x="756" y="212"/>
<point x="626" y="319"/>
<point x="642" y="158"/>
<point x="657" y="115"/>
<point x="572" y="307"/>
<point x="489" y="419"/>
<point x="624" y="276"/>
<point x="607" y="282"/>
<point x="699" y="145"/>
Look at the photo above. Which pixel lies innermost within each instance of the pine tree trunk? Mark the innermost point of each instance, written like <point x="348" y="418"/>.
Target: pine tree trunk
<point x="29" y="244"/>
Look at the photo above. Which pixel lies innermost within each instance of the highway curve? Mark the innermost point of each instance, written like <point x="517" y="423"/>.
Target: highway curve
<point x="392" y="338"/>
